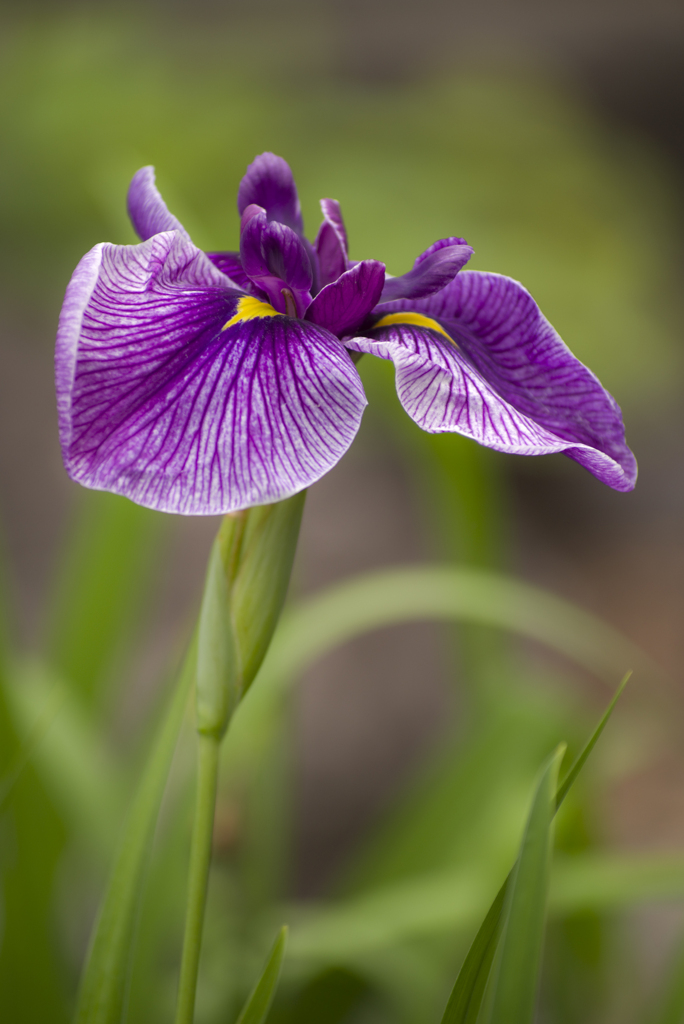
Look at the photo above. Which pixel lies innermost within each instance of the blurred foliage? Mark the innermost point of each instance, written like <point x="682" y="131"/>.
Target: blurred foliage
<point x="512" y="164"/>
<point x="585" y="220"/>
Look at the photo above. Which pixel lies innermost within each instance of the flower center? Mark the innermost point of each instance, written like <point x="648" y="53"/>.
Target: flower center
<point x="249" y="308"/>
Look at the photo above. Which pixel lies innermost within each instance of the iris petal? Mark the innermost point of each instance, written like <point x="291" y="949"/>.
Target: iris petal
<point x="231" y="265"/>
<point x="433" y="270"/>
<point x="331" y="243"/>
<point x="269" y="183"/>
<point x="509" y="381"/>
<point x="274" y="258"/>
<point x="158" y="403"/>
<point x="343" y="305"/>
<point x="146" y="208"/>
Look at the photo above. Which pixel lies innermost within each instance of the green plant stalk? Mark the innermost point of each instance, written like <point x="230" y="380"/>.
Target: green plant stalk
<point x="198" y="876"/>
<point x="103" y="984"/>
<point x="247" y="579"/>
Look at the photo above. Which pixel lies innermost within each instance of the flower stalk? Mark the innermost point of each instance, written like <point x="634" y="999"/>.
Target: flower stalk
<point x="247" y="579"/>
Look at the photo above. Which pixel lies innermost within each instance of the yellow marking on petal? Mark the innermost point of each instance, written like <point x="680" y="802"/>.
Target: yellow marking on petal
<point x="414" y="320"/>
<point x="249" y="308"/>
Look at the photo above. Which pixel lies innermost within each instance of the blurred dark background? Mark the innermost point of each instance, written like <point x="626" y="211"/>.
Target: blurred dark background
<point x="550" y="135"/>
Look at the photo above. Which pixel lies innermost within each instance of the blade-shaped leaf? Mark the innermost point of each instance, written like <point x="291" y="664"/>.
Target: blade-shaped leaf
<point x="28" y="952"/>
<point x="466" y="997"/>
<point x="60" y="740"/>
<point x="396" y="595"/>
<point x="515" y="972"/>
<point x="104" y="980"/>
<point x="100" y="587"/>
<point x="580" y="761"/>
<point x="389" y="597"/>
<point x="257" y="1006"/>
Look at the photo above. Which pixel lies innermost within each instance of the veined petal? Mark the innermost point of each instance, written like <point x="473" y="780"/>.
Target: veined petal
<point x="331" y="243"/>
<point x="160" y="403"/>
<point x="501" y="330"/>
<point x="506" y="380"/>
<point x="332" y="212"/>
<point x="274" y="258"/>
<point x="231" y="265"/>
<point x="343" y="305"/>
<point x="269" y="183"/>
<point x="146" y="208"/>
<point x="433" y="270"/>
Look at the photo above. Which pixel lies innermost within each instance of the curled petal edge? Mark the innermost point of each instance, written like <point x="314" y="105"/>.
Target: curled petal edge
<point x="431" y="272"/>
<point x="148" y="212"/>
<point x="443" y="392"/>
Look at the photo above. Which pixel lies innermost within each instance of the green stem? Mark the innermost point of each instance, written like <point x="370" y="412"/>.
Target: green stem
<point x="200" y="858"/>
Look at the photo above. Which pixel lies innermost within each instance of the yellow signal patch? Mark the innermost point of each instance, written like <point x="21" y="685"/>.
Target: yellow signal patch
<point x="415" y="320"/>
<point x="250" y="308"/>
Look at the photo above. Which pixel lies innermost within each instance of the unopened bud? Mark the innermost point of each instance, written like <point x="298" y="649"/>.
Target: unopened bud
<point x="247" y="580"/>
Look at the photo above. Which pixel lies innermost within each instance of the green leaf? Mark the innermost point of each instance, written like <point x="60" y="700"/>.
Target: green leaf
<point x="580" y="761"/>
<point x="259" y="1003"/>
<point x="101" y="587"/>
<point x="389" y="597"/>
<point x="466" y="997"/>
<point x="28" y="950"/>
<point x="515" y="972"/>
<point x="446" y="901"/>
<point x="392" y="596"/>
<point x="59" y="739"/>
<point x="104" y="980"/>
<point x="608" y="881"/>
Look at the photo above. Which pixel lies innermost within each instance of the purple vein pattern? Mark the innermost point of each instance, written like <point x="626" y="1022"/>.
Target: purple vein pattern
<point x="506" y="379"/>
<point x="158" y="403"/>
<point x="203" y="383"/>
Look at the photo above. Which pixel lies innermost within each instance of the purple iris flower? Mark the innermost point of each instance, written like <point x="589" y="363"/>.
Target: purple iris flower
<point x="204" y="383"/>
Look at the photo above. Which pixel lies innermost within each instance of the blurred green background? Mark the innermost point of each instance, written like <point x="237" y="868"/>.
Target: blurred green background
<point x="550" y="136"/>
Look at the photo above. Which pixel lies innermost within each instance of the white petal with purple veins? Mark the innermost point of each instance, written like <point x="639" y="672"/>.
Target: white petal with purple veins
<point x="442" y="391"/>
<point x="158" y="403"/>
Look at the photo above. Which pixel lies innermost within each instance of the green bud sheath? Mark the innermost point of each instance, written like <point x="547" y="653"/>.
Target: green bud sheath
<point x="247" y="580"/>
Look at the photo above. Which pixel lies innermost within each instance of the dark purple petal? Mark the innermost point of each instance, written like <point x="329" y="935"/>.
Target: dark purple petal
<point x="269" y="183"/>
<point x="331" y="243"/>
<point x="159" y="403"/>
<point x="274" y="258"/>
<point x="509" y="381"/>
<point x="333" y="214"/>
<point x="343" y="305"/>
<point x="231" y="265"/>
<point x="433" y="270"/>
<point x="147" y="209"/>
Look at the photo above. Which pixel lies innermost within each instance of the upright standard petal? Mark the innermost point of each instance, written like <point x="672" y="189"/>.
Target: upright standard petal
<point x="331" y="243"/>
<point x="341" y="307"/>
<point x="231" y="265"/>
<point x="275" y="259"/>
<point x="168" y="396"/>
<point x="433" y="270"/>
<point x="269" y="183"/>
<point x="479" y="358"/>
<point x="146" y="208"/>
